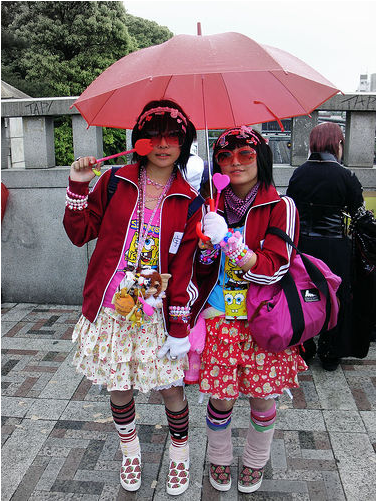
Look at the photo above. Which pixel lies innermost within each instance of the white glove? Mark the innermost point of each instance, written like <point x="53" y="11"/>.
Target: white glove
<point x="215" y="227"/>
<point x="174" y="348"/>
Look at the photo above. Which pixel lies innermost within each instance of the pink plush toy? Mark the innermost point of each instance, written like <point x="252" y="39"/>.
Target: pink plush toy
<point x="197" y="338"/>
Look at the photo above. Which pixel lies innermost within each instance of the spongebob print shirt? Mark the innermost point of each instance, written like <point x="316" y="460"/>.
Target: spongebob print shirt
<point x="149" y="253"/>
<point x="229" y="294"/>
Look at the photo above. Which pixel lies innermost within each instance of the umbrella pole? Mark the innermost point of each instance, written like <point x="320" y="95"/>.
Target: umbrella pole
<point x="211" y="200"/>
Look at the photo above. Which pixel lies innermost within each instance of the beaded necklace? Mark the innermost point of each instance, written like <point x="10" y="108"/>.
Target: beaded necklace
<point x="154" y="183"/>
<point x="141" y="209"/>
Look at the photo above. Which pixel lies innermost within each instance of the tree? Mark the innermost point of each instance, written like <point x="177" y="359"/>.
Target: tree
<point x="145" y="32"/>
<point x="59" y="48"/>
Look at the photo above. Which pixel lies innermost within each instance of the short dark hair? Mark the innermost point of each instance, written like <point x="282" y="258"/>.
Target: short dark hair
<point x="260" y="145"/>
<point x="326" y="137"/>
<point x="163" y="122"/>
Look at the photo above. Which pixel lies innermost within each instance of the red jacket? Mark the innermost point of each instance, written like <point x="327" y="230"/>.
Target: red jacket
<point x="273" y="254"/>
<point x="110" y="226"/>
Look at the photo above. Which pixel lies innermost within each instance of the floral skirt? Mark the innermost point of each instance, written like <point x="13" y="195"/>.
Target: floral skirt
<point x="113" y="352"/>
<point x="232" y="363"/>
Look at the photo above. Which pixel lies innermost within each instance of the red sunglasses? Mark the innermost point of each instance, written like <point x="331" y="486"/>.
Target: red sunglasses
<point x="245" y="155"/>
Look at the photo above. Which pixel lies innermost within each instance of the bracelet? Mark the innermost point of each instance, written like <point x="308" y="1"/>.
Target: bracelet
<point x="75" y="195"/>
<point x="244" y="257"/>
<point x="208" y="256"/>
<point x="179" y="313"/>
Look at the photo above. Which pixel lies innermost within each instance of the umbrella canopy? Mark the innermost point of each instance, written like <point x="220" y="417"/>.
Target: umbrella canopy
<point x="221" y="81"/>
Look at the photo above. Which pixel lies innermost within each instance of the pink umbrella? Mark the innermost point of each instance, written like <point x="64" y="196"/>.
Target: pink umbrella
<point x="221" y="81"/>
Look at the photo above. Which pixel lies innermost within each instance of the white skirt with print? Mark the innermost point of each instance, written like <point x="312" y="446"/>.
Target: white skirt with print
<point x="114" y="353"/>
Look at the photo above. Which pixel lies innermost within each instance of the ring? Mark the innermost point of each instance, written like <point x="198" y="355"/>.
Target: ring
<point x="78" y="158"/>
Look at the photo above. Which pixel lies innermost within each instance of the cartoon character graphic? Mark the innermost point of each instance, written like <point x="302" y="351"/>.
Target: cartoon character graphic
<point x="234" y="275"/>
<point x="149" y="253"/>
<point x="235" y="303"/>
<point x="235" y="290"/>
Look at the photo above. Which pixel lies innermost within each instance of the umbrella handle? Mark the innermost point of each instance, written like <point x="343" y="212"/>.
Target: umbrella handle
<point x="199" y="232"/>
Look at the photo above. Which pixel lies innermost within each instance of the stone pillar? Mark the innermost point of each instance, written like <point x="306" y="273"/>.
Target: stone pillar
<point x="16" y="137"/>
<point x="39" y="147"/>
<point x="301" y="127"/>
<point x="359" y="148"/>
<point x="202" y="145"/>
<point x="5" y="144"/>
<point x="86" y="141"/>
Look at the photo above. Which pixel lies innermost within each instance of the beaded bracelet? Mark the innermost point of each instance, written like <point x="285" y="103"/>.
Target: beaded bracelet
<point x="75" y="195"/>
<point x="179" y="313"/>
<point x="244" y="256"/>
<point x="208" y="256"/>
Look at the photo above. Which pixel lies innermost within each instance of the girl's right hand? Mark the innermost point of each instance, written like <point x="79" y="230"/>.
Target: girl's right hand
<point x="82" y="169"/>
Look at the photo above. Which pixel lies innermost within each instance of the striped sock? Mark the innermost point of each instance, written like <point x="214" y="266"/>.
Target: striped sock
<point x="216" y="419"/>
<point x="178" y="422"/>
<point x="263" y="421"/>
<point x="124" y="420"/>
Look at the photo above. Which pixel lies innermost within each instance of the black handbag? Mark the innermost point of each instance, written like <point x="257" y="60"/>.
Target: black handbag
<point x="363" y="235"/>
<point x="362" y="231"/>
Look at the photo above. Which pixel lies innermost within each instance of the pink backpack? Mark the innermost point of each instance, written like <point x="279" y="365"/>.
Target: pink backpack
<point x="298" y="307"/>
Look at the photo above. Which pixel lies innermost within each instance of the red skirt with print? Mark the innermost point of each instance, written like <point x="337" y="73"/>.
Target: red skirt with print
<point x="232" y="363"/>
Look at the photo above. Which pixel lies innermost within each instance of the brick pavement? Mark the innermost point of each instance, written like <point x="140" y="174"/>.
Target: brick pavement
<point x="58" y="441"/>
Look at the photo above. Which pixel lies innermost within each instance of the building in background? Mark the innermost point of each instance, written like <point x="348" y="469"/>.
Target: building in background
<point x="367" y="83"/>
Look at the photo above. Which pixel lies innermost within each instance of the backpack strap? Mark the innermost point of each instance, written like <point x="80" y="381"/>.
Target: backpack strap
<point x="194" y="205"/>
<point x="112" y="185"/>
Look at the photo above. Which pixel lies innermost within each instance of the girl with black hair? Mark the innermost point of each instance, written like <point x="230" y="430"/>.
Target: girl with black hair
<point x="133" y="332"/>
<point x="241" y="251"/>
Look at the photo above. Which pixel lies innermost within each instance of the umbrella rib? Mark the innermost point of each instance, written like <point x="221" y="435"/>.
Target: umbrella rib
<point x="167" y="85"/>
<point x="285" y="87"/>
<point x="227" y="93"/>
<point x="98" y="111"/>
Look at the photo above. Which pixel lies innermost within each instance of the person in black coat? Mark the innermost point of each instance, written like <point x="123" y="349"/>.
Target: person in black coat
<point x="323" y="190"/>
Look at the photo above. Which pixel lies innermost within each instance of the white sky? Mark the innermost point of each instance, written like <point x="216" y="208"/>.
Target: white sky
<point x="336" y="37"/>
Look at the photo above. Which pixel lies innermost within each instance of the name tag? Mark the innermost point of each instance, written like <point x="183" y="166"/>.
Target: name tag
<point x="176" y="241"/>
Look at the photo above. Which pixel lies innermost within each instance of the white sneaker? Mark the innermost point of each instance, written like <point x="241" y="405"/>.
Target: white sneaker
<point x="130" y="473"/>
<point x="178" y="477"/>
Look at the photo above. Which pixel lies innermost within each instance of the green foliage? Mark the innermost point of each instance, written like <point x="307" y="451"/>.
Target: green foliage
<point x="55" y="48"/>
<point x="63" y="141"/>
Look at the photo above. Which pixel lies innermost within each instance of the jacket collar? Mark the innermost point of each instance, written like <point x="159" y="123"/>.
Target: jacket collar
<point x="130" y="172"/>
<point x="323" y="156"/>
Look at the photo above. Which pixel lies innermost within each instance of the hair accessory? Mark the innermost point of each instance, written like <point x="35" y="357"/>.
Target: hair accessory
<point x="244" y="132"/>
<point x="174" y="113"/>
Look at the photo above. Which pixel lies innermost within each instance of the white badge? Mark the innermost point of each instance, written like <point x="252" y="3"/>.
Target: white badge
<point x="176" y="241"/>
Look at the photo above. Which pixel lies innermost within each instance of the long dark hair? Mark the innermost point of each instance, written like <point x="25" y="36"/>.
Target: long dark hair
<point x="237" y="137"/>
<point x="162" y="123"/>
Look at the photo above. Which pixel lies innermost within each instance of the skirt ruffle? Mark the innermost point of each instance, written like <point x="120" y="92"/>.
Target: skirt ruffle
<point x="113" y="352"/>
<point x="233" y="363"/>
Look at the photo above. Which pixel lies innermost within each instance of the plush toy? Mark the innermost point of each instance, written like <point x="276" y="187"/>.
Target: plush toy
<point x="154" y="286"/>
<point x="123" y="302"/>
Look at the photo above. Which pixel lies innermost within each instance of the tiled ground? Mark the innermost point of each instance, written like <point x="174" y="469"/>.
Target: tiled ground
<point x="59" y="442"/>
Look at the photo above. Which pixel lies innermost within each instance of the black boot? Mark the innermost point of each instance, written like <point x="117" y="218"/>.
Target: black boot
<point x="310" y="350"/>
